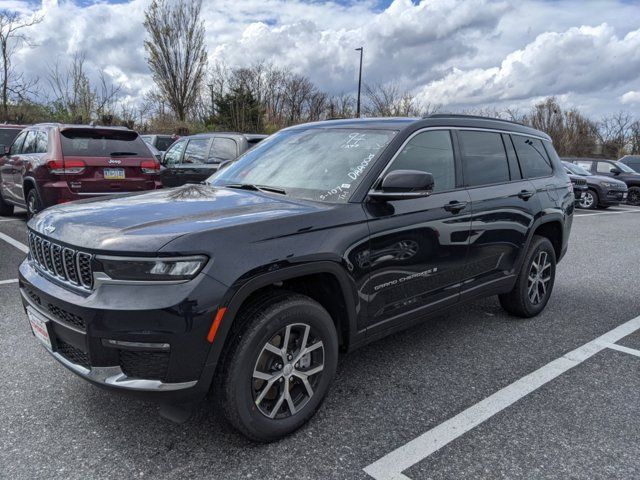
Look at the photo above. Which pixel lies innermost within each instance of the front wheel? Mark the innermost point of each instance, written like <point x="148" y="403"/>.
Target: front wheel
<point x="535" y="280"/>
<point x="279" y="365"/>
<point x="589" y="200"/>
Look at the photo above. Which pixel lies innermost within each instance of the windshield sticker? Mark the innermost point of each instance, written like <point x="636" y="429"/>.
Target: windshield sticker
<point x="341" y="190"/>
<point x="357" y="171"/>
<point x="354" y="140"/>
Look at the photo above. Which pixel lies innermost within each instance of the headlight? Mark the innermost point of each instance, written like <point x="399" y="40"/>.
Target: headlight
<point x="608" y="185"/>
<point x="152" y="269"/>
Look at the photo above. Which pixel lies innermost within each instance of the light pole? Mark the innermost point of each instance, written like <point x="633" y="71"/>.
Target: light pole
<point x="361" y="50"/>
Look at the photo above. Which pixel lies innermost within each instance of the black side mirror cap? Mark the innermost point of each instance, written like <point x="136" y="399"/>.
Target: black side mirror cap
<point x="404" y="184"/>
<point x="616" y="171"/>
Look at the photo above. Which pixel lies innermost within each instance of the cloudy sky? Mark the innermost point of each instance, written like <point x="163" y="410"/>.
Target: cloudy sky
<point x="457" y="53"/>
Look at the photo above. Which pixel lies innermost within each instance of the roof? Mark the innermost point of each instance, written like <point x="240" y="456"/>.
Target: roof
<point x="12" y="126"/>
<point x="585" y="159"/>
<point x="64" y="126"/>
<point x="439" y="120"/>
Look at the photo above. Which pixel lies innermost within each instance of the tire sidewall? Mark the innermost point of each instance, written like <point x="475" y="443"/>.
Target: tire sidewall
<point x="240" y="374"/>
<point x="33" y="193"/>
<point x="594" y="196"/>
<point x="541" y="244"/>
<point x="633" y="191"/>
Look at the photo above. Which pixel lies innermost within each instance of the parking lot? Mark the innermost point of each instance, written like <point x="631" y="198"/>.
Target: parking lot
<point x="473" y="394"/>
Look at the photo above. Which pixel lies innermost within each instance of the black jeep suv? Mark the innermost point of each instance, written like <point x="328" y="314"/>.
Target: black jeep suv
<point x="322" y="238"/>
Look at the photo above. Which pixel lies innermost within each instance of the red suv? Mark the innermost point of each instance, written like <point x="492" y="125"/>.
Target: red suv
<point x="49" y="164"/>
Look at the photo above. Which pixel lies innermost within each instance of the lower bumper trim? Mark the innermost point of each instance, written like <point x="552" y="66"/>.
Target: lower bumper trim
<point x="115" y="377"/>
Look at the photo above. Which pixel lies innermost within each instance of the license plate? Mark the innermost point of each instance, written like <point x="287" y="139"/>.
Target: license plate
<point x="113" y="173"/>
<point x="39" y="326"/>
<point x="624" y="196"/>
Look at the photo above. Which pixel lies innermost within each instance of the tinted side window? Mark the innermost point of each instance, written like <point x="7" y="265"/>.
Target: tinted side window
<point x="174" y="154"/>
<point x="585" y="165"/>
<point x="484" y="159"/>
<point x="30" y="142"/>
<point x="430" y="152"/>
<point x="42" y="141"/>
<point x="534" y="161"/>
<point x="163" y="143"/>
<point x="603" y="167"/>
<point x="223" y="149"/>
<point x="15" y="147"/>
<point x="196" y="151"/>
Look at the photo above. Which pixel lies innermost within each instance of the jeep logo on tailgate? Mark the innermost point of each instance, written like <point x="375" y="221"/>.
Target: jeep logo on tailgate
<point x="113" y="161"/>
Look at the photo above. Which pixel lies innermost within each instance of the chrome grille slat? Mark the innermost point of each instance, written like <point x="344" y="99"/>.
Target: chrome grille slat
<point x="65" y="264"/>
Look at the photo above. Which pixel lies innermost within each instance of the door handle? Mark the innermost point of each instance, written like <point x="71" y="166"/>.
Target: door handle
<point x="526" y="194"/>
<point x="455" y="207"/>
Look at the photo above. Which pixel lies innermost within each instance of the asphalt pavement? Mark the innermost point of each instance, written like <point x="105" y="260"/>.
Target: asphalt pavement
<point x="580" y="423"/>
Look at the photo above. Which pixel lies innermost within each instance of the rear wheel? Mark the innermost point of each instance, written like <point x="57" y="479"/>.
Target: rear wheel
<point x="633" y="197"/>
<point x="535" y="280"/>
<point x="278" y="367"/>
<point x="589" y="200"/>
<point x="34" y="204"/>
<point x="5" y="208"/>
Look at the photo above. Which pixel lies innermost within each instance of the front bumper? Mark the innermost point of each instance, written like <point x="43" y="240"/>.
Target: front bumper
<point x="613" y="196"/>
<point x="148" y="340"/>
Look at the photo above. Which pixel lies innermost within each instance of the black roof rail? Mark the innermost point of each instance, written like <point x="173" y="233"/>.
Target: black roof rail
<point x="476" y="117"/>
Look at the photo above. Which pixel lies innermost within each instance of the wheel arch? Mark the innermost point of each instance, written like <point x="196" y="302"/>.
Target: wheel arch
<point x="346" y="325"/>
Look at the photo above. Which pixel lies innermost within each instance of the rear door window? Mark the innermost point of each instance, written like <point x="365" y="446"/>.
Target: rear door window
<point x="91" y="142"/>
<point x="430" y="152"/>
<point x="223" y="149"/>
<point x="196" y="151"/>
<point x="163" y="143"/>
<point x="30" y="143"/>
<point x="586" y="165"/>
<point x="534" y="161"/>
<point x="17" y="144"/>
<point x="484" y="159"/>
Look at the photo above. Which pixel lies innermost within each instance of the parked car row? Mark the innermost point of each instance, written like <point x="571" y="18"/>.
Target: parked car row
<point x="621" y="182"/>
<point x="49" y="164"/>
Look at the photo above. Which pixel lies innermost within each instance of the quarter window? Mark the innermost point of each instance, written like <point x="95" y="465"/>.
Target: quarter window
<point x="534" y="161"/>
<point x="484" y="159"/>
<point x="42" y="141"/>
<point x="430" y="152"/>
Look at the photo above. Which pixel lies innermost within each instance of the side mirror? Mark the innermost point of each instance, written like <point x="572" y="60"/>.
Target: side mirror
<point x="403" y="184"/>
<point x="616" y="171"/>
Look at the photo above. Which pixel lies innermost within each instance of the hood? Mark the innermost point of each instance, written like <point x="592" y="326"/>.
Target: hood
<point x="601" y="178"/>
<point x="147" y="221"/>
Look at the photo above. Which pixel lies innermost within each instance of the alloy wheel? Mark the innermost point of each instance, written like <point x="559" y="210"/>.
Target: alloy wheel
<point x="586" y="201"/>
<point x="539" y="278"/>
<point x="634" y="197"/>
<point x="287" y="371"/>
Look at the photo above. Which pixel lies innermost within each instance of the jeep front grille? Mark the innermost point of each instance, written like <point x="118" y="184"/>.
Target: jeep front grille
<point x="65" y="264"/>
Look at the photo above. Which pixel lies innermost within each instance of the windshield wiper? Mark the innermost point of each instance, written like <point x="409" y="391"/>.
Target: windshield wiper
<point x="122" y="154"/>
<point x="256" y="188"/>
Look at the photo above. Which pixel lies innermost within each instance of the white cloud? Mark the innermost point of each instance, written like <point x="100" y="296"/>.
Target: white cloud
<point x="631" y="96"/>
<point x="456" y="52"/>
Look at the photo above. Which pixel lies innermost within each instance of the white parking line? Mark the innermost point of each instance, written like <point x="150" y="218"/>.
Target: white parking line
<point x="622" y="348"/>
<point x="7" y="282"/>
<point x="14" y="242"/>
<point x="9" y="219"/>
<point x="605" y="213"/>
<point x="391" y="466"/>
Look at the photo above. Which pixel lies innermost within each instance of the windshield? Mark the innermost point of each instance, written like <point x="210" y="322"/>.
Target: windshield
<point x="325" y="164"/>
<point x="577" y="169"/>
<point x="7" y="135"/>
<point x="624" y="168"/>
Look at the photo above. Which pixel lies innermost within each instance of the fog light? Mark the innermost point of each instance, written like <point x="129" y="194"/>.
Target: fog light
<point x="107" y="342"/>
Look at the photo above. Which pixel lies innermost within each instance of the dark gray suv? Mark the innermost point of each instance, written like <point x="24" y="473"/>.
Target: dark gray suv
<point x="322" y="238"/>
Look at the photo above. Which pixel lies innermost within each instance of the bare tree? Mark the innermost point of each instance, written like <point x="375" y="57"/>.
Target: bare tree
<point x="615" y="133"/>
<point x="390" y="101"/>
<point x="176" y="51"/>
<point x="13" y="35"/>
<point x="76" y="99"/>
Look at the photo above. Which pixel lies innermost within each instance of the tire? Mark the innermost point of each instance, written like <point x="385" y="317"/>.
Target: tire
<point x="5" y="208"/>
<point x="603" y="207"/>
<point x="589" y="200"/>
<point x="519" y="301"/>
<point x="262" y="412"/>
<point x="34" y="204"/>
<point x="633" y="197"/>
